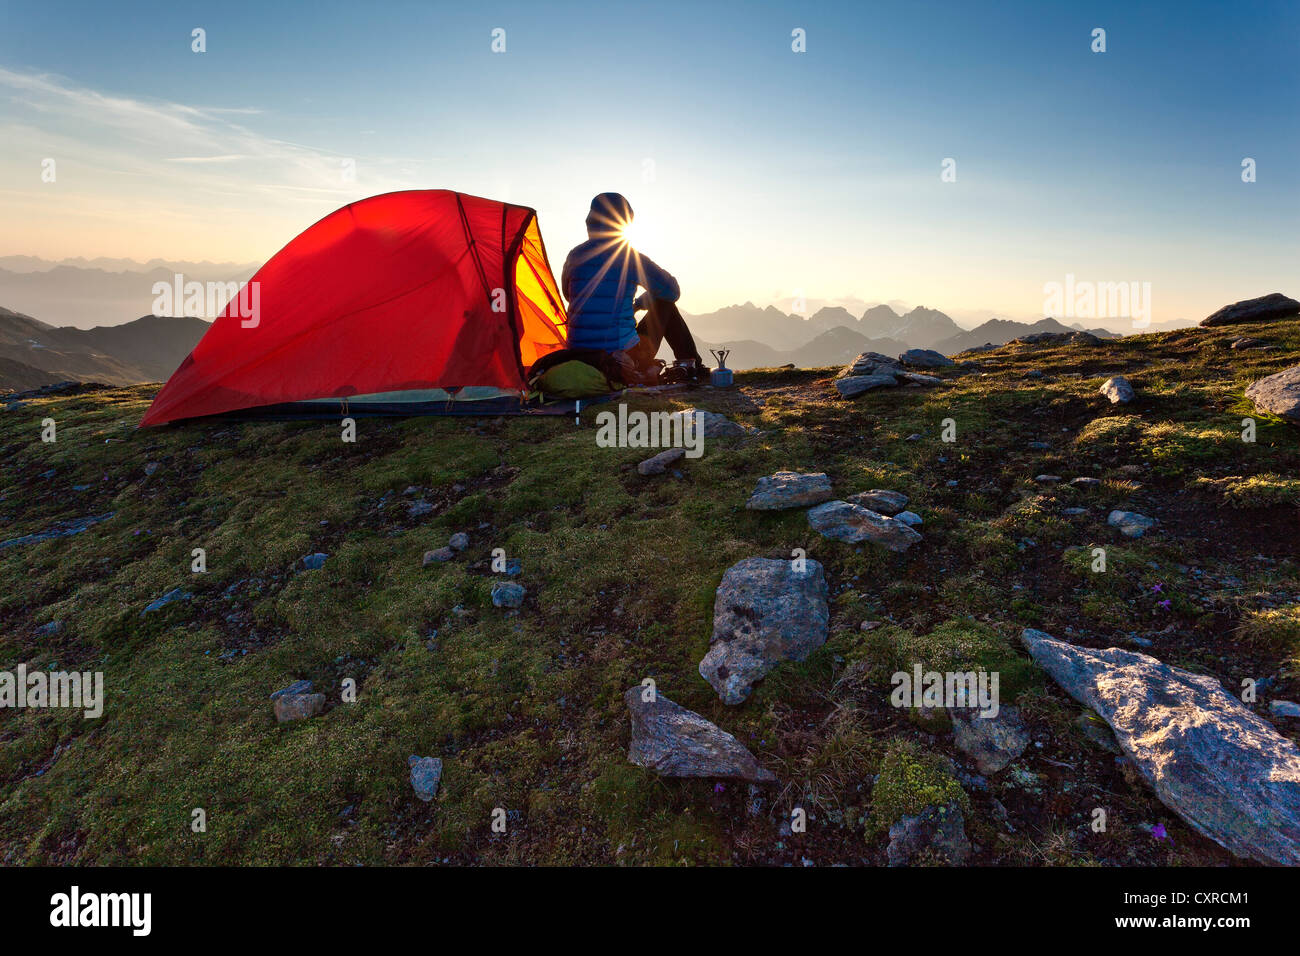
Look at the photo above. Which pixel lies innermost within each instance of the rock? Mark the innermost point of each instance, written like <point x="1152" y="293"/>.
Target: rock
<point x="150" y="468"/>
<point x="924" y="358"/>
<point x="458" y="541"/>
<point x="1221" y="768"/>
<point x="438" y="555"/>
<point x="1245" y="342"/>
<point x="880" y="501"/>
<point x="420" y="508"/>
<point x="765" y="612"/>
<point x="1278" y="394"/>
<point x="426" y="774"/>
<point x="790" y="489"/>
<point x="313" y="562"/>
<point x="909" y="518"/>
<point x="175" y="594"/>
<point x="675" y="742"/>
<point x="855" y="524"/>
<point x="48" y="629"/>
<point x="1130" y="523"/>
<point x="297" y="687"/>
<point x="297" y="706"/>
<point x="1074" y="512"/>
<point x="1059" y="338"/>
<point x="1284" y="708"/>
<point x="916" y="378"/>
<point x="660" y="462"/>
<point x="1047" y="479"/>
<point x="856" y="385"/>
<point x="508" y="594"/>
<point x="940" y="828"/>
<point x="1039" y="446"/>
<point x="1275" y="305"/>
<point x="1085" y="482"/>
<point x="870" y="363"/>
<point x="714" y="424"/>
<point x="992" y="742"/>
<point x="60" y="529"/>
<point x="1118" y="389"/>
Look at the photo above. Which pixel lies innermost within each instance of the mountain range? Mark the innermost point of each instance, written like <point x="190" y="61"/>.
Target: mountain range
<point x="95" y="330"/>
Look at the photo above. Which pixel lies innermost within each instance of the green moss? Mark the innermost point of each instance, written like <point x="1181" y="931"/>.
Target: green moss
<point x="911" y="780"/>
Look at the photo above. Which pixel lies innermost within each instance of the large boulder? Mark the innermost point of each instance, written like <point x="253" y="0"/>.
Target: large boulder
<point x="1278" y="394"/>
<point x="1275" y="305"/>
<point x="766" y="611"/>
<point x="1225" y="771"/>
<point x="790" y="489"/>
<point x="676" y="742"/>
<point x="924" y="358"/>
<point x="855" y="524"/>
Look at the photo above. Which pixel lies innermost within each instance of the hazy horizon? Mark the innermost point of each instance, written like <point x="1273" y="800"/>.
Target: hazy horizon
<point x="757" y="172"/>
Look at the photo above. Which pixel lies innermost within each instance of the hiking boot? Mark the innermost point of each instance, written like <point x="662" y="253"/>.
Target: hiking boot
<point x="689" y="371"/>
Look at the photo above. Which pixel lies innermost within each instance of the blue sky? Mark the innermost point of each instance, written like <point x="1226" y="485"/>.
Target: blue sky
<point x="756" y="172"/>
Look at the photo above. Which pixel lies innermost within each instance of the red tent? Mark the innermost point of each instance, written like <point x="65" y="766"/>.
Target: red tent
<point x="417" y="290"/>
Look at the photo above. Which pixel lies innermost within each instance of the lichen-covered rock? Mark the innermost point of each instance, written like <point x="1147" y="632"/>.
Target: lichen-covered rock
<point x="426" y="774"/>
<point x="790" y="489"/>
<point x="993" y="741"/>
<point x="508" y="594"/>
<point x="1130" y="523"/>
<point x="289" y="706"/>
<point x="880" y="501"/>
<point x="1278" y="394"/>
<point x="942" y="829"/>
<point x="1212" y="761"/>
<point x="676" y="742"/>
<point x="1118" y="389"/>
<point x="855" y="524"/>
<point x="766" y="611"/>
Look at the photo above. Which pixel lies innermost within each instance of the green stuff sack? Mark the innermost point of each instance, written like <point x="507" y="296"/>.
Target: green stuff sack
<point x="573" y="379"/>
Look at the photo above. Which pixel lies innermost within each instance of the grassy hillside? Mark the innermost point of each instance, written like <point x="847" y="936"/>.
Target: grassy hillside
<point x="525" y="708"/>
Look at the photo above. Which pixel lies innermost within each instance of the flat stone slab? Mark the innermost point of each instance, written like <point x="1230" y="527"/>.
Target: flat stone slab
<point x="676" y="742"/>
<point x="1130" y="523"/>
<point x="855" y="524"/>
<point x="855" y="385"/>
<point x="1278" y="394"/>
<point x="1275" y="305"/>
<point x="766" y="611"/>
<point x="60" y="529"/>
<point x="1212" y="761"/>
<point x="880" y="500"/>
<point x="661" y="462"/>
<point x="790" y="489"/>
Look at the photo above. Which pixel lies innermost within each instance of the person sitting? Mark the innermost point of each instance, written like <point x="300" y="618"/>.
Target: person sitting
<point x="600" y="279"/>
